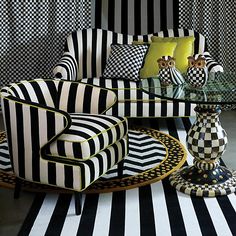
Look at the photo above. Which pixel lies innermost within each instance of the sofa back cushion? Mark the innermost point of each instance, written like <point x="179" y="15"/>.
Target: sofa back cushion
<point x="91" y="47"/>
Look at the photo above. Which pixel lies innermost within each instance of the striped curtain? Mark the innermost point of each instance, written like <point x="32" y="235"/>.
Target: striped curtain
<point x="135" y="16"/>
<point x="216" y="20"/>
<point x="32" y="34"/>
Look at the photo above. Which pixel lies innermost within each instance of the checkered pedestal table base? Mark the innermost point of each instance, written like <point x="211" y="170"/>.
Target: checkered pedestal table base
<point x="206" y="141"/>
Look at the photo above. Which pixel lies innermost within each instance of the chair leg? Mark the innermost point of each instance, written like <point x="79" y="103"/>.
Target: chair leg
<point x="17" y="188"/>
<point x="78" y="198"/>
<point x="120" y="169"/>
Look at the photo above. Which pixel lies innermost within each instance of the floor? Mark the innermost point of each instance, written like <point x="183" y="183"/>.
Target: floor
<point x="13" y="212"/>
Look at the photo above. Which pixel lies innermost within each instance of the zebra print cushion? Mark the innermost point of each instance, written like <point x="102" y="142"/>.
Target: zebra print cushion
<point x="88" y="135"/>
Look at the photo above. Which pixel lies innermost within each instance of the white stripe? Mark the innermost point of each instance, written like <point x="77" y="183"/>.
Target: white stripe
<point x="28" y="143"/>
<point x="189" y="215"/>
<point x="42" y="141"/>
<point x="64" y="99"/>
<point x="217" y="216"/>
<point x="161" y="216"/>
<point x="132" y="213"/>
<point x="72" y="221"/>
<point x="99" y="53"/>
<point x="43" y="218"/>
<point x="80" y="56"/>
<point x="102" y="220"/>
<point x="13" y="124"/>
<point x="89" y="53"/>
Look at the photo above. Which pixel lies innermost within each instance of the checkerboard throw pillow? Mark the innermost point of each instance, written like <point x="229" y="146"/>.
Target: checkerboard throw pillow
<point x="125" y="61"/>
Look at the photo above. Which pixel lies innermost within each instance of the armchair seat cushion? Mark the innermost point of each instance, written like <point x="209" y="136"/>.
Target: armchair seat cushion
<point x="88" y="135"/>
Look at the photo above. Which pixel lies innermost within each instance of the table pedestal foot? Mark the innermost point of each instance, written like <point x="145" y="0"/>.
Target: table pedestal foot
<point x="204" y="183"/>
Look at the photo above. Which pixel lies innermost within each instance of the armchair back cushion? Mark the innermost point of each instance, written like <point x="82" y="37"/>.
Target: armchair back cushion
<point x="74" y="97"/>
<point x="91" y="47"/>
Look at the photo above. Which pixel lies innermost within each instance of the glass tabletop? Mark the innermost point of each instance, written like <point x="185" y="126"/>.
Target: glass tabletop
<point x="220" y="89"/>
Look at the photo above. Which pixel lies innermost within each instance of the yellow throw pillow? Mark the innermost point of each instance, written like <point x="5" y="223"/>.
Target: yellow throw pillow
<point x="184" y="49"/>
<point x="156" y="51"/>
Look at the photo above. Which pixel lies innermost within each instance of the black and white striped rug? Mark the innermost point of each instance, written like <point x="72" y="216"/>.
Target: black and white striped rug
<point x="156" y="209"/>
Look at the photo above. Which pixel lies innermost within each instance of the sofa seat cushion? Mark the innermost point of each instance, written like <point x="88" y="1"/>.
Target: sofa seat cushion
<point x="126" y="91"/>
<point x="88" y="135"/>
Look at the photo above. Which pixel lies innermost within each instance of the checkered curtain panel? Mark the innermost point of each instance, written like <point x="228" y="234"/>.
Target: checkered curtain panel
<point x="135" y="17"/>
<point x="216" y="20"/>
<point x="32" y="35"/>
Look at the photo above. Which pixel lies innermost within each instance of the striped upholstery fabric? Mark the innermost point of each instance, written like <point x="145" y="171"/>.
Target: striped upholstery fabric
<point x="133" y="102"/>
<point x="32" y="127"/>
<point x="88" y="135"/>
<point x="90" y="49"/>
<point x="74" y="97"/>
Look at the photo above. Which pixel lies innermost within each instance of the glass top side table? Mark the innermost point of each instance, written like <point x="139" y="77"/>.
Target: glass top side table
<point x="206" y="140"/>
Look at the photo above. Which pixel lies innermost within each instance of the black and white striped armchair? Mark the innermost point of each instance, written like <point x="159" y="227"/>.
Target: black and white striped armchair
<point x="85" y="56"/>
<point x="58" y="135"/>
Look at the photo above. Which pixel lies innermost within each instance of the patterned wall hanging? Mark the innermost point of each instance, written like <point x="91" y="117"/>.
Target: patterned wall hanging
<point x="216" y="21"/>
<point x="135" y="16"/>
<point x="33" y="34"/>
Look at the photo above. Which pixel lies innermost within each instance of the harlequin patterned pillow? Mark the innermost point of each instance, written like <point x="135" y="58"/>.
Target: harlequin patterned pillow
<point x="125" y="61"/>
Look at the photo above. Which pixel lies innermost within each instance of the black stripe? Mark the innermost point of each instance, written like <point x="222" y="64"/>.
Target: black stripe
<point x="69" y="178"/>
<point x="173" y="208"/>
<point x="38" y="92"/>
<point x="175" y="14"/>
<point x="84" y="39"/>
<point x="150" y="16"/>
<point x="124" y="18"/>
<point x="187" y="110"/>
<point x="88" y="215"/>
<point x="104" y="49"/>
<point x="59" y="214"/>
<point x="75" y="44"/>
<point x="32" y="215"/>
<point x="117" y="220"/>
<point x="53" y="92"/>
<point x="34" y="118"/>
<point x="203" y="216"/>
<point x="25" y="92"/>
<point x="228" y="211"/>
<point x="163" y="108"/>
<point x="175" y="108"/>
<point x="147" y="222"/>
<point x="87" y="99"/>
<point x="94" y="51"/>
<point x="8" y="127"/>
<point x="111" y="15"/>
<point x="20" y="139"/>
<point x="137" y="17"/>
<point x="52" y="173"/>
<point x="102" y="101"/>
<point x="163" y="16"/>
<point x="98" y="14"/>
<point x="71" y="97"/>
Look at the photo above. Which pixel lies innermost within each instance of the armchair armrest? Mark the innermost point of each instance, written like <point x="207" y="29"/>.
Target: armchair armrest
<point x="26" y="120"/>
<point x="211" y="64"/>
<point x="66" y="68"/>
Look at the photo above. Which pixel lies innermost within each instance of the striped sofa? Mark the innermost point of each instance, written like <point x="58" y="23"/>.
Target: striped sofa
<point x="58" y="135"/>
<point x="85" y="56"/>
